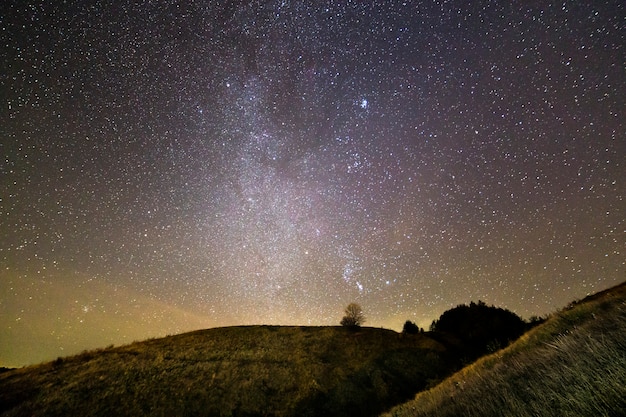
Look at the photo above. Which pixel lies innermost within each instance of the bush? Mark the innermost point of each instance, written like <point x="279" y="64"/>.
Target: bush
<point x="411" y="328"/>
<point x="481" y="328"/>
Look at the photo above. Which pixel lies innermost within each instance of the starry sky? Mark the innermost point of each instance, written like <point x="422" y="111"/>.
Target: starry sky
<point x="176" y="165"/>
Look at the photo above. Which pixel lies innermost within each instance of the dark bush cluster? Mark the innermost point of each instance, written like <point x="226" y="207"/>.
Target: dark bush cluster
<point x="481" y="328"/>
<point x="411" y="328"/>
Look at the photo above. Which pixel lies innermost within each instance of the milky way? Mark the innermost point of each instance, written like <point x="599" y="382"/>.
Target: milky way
<point x="169" y="166"/>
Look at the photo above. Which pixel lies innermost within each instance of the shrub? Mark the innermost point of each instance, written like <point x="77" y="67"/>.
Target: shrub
<point x="481" y="328"/>
<point x="410" y="328"/>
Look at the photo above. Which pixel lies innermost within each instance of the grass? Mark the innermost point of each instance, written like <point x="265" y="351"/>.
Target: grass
<point x="234" y="371"/>
<point x="572" y="365"/>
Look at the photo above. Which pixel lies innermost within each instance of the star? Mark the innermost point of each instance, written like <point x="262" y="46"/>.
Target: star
<point x="206" y="165"/>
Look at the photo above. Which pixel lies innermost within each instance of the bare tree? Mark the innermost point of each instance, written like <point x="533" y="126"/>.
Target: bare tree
<point x="354" y="316"/>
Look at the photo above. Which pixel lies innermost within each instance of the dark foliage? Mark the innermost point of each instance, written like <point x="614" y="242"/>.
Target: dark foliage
<point x="349" y="323"/>
<point x="535" y="321"/>
<point x="411" y="328"/>
<point x="480" y="328"/>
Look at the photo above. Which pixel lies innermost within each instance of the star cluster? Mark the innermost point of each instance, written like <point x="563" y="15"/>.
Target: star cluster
<point x="168" y="166"/>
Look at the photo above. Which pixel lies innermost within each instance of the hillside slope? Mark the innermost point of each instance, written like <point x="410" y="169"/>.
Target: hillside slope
<point x="572" y="365"/>
<point x="234" y="371"/>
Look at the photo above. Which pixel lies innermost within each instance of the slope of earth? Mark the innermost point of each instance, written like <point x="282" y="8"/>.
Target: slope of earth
<point x="233" y="371"/>
<point x="572" y="365"/>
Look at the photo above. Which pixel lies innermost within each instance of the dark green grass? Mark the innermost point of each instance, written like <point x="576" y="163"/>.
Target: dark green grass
<point x="572" y="365"/>
<point x="236" y="371"/>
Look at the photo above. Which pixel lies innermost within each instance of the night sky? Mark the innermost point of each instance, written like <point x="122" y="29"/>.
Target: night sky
<point x="170" y="166"/>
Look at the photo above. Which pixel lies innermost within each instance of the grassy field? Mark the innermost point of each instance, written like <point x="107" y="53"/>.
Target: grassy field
<point x="234" y="371"/>
<point x="572" y="365"/>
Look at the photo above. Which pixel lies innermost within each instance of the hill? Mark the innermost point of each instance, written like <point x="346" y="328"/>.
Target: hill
<point x="233" y="371"/>
<point x="574" y="364"/>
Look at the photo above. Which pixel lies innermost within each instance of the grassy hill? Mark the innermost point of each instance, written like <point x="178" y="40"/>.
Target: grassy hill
<point x="572" y="365"/>
<point x="234" y="371"/>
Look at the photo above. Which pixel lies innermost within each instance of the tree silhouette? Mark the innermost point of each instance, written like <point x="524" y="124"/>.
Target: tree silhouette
<point x="354" y="316"/>
<point x="410" y="328"/>
<point x="481" y="328"/>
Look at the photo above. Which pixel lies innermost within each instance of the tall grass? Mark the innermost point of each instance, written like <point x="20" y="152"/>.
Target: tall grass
<point x="573" y="365"/>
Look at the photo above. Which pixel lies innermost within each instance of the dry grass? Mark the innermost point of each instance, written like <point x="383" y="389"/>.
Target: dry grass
<point x="258" y="370"/>
<point x="572" y="365"/>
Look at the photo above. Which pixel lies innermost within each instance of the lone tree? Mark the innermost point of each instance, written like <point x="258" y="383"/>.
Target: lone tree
<point x="354" y="316"/>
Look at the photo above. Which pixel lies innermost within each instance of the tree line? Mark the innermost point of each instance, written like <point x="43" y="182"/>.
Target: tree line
<point x="477" y="327"/>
